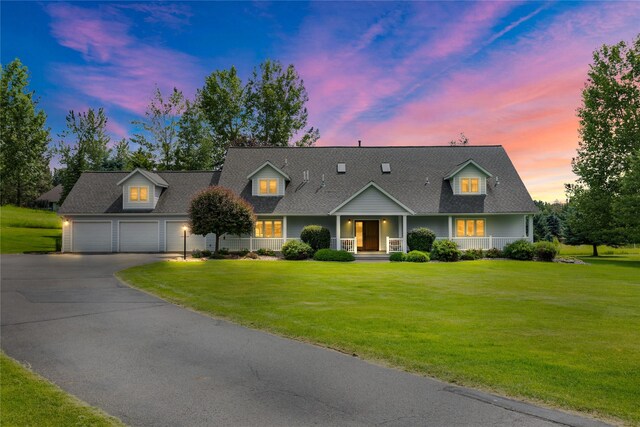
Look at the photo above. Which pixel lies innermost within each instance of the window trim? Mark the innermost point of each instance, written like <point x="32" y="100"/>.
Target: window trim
<point x="475" y="227"/>
<point x="138" y="196"/>
<point x="263" y="227"/>
<point x="470" y="185"/>
<point x="268" y="186"/>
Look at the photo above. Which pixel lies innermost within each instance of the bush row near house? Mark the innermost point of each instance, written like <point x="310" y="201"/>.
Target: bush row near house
<point x="333" y="255"/>
<point x="545" y="251"/>
<point x="265" y="252"/>
<point x="445" y="250"/>
<point x="472" y="254"/>
<point x="296" y="250"/>
<point x="420" y="239"/>
<point x="522" y="250"/>
<point x="316" y="236"/>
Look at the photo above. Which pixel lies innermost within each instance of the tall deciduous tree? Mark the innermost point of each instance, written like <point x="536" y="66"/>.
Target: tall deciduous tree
<point x="609" y="135"/>
<point x="627" y="205"/>
<point x="159" y="129"/>
<point x="88" y="151"/>
<point x="24" y="138"/>
<point x="276" y="98"/>
<point x="219" y="210"/>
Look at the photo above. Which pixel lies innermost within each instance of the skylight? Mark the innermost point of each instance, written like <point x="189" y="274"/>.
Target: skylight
<point x="386" y="167"/>
<point x="342" y="168"/>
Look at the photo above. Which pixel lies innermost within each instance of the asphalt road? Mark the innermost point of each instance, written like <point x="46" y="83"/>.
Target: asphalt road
<point x="151" y="363"/>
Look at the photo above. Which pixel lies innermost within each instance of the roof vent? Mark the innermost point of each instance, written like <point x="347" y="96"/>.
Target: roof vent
<point x="386" y="167"/>
<point x="342" y="168"/>
<point x="305" y="176"/>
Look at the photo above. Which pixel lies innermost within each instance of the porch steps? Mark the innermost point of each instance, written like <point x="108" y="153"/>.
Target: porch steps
<point x="372" y="256"/>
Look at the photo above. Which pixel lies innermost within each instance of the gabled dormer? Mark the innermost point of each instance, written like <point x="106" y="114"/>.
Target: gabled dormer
<point x="468" y="179"/>
<point x="141" y="189"/>
<point x="268" y="180"/>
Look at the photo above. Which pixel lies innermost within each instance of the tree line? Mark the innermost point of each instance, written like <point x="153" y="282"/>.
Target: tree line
<point x="176" y="133"/>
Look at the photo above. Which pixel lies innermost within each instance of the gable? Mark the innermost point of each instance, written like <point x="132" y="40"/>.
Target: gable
<point x="371" y="200"/>
<point x="469" y="171"/>
<point x="267" y="172"/>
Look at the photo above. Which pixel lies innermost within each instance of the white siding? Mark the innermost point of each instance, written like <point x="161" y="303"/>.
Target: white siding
<point x="91" y="236"/>
<point x="469" y="171"/>
<point x="371" y="201"/>
<point x="295" y="224"/>
<point x="138" y="236"/>
<point x="175" y="238"/>
<point x="138" y="180"/>
<point x="505" y="225"/>
<point x="437" y="224"/>
<point x="267" y="173"/>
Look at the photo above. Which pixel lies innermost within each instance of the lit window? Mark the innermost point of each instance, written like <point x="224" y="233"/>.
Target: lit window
<point x="268" y="229"/>
<point x="470" y="228"/>
<point x="469" y="185"/>
<point x="138" y="194"/>
<point x="268" y="186"/>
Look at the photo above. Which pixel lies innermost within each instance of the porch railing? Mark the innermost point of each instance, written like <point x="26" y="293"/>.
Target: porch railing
<point x="485" y="243"/>
<point x="349" y="245"/>
<point x="395" y="244"/>
<point x="252" y="243"/>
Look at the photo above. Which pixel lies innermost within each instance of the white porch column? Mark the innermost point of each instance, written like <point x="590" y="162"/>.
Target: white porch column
<point x="399" y="225"/>
<point x="450" y="227"/>
<point x="531" y="228"/>
<point x="404" y="233"/>
<point x="284" y="228"/>
<point x="338" y="243"/>
<point x="524" y="226"/>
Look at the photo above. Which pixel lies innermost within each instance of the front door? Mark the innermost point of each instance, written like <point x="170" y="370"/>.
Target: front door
<point x="367" y="237"/>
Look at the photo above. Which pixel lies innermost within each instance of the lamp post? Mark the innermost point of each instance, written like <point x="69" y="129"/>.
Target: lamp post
<point x="184" y="234"/>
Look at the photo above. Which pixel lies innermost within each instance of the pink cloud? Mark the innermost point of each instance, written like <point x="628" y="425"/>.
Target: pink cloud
<point x="121" y="70"/>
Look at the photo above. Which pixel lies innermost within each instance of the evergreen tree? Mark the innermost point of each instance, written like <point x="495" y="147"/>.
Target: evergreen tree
<point x="89" y="150"/>
<point x="24" y="139"/>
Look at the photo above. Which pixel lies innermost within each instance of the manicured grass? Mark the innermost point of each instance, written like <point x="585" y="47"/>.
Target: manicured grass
<point x="28" y="230"/>
<point x="26" y="399"/>
<point x="562" y="334"/>
<point x="587" y="250"/>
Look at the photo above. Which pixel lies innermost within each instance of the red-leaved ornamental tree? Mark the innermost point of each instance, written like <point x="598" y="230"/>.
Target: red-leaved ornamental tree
<point x="219" y="210"/>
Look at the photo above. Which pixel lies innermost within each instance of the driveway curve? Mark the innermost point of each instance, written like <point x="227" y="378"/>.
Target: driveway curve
<point x="152" y="363"/>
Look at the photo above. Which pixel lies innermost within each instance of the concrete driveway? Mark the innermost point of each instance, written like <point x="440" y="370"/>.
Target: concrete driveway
<point x="151" y="363"/>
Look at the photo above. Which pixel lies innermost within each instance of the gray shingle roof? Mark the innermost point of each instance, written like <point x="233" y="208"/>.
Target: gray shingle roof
<point x="52" y="196"/>
<point x="99" y="192"/>
<point x="410" y="167"/>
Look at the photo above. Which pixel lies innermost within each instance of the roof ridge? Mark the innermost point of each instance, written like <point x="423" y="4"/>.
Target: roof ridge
<point x="371" y="146"/>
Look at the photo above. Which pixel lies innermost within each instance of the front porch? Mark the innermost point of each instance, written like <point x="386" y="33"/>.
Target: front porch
<point x="386" y="234"/>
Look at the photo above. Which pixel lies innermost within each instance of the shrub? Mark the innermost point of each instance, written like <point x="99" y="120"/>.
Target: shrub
<point x="522" y="250"/>
<point x="316" y="236"/>
<point x="494" y="253"/>
<point x="241" y="252"/>
<point x="265" y="252"/>
<point x="206" y="253"/>
<point x="472" y="254"/>
<point x="296" y="250"/>
<point x="397" y="257"/>
<point x="420" y="239"/>
<point x="217" y="256"/>
<point x="223" y="251"/>
<point x="252" y="255"/>
<point x="333" y="255"/>
<point x="196" y="253"/>
<point x="417" y="256"/>
<point x="445" y="250"/>
<point x="545" y="251"/>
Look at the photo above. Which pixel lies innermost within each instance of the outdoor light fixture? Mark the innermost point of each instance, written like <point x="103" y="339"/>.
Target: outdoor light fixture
<point x="384" y="220"/>
<point x="66" y="222"/>
<point x="184" y="233"/>
<point x="349" y="221"/>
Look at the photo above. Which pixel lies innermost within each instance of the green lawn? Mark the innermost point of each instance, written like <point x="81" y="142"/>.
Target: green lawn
<point x="26" y="399"/>
<point x="567" y="335"/>
<point x="28" y="230"/>
<point x="587" y="250"/>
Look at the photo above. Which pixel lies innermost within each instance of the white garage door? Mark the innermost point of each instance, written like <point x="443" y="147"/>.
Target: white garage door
<point x="175" y="238"/>
<point x="91" y="236"/>
<point x="138" y="236"/>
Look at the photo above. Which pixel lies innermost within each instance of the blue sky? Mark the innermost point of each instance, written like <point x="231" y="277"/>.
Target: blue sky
<point x="389" y="73"/>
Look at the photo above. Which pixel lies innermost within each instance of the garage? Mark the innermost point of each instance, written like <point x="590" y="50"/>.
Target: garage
<point x="175" y="238"/>
<point x="138" y="236"/>
<point x="91" y="236"/>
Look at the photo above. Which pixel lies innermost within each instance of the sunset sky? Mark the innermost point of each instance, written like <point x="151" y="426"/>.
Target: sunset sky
<point x="387" y="73"/>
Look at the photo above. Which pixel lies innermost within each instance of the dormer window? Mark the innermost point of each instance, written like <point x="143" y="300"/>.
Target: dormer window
<point x="268" y="186"/>
<point x="469" y="185"/>
<point x="139" y="194"/>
